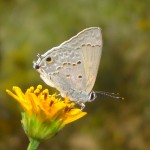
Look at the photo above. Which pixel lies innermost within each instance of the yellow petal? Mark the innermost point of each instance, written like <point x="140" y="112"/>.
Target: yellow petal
<point x="56" y="109"/>
<point x="13" y="95"/>
<point x="21" y="101"/>
<point x="19" y="93"/>
<point x="74" y="111"/>
<point x="33" y="102"/>
<point x="70" y="118"/>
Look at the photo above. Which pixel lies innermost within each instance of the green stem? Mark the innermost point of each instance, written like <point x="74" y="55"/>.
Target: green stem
<point x="33" y="144"/>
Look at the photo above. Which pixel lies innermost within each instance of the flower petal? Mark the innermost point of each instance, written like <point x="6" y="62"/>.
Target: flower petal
<point x="70" y="117"/>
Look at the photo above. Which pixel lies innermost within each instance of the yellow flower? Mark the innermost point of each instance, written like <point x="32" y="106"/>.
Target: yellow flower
<point x="44" y="114"/>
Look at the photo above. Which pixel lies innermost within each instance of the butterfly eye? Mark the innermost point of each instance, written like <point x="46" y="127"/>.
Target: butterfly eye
<point x="49" y="59"/>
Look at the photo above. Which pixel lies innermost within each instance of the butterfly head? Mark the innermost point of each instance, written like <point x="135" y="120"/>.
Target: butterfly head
<point x="36" y="65"/>
<point x="42" y="61"/>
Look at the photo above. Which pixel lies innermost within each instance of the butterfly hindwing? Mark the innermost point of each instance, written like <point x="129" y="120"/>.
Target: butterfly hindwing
<point x="65" y="71"/>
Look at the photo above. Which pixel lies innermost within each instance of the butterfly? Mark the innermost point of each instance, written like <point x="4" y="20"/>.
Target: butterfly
<point x="72" y="66"/>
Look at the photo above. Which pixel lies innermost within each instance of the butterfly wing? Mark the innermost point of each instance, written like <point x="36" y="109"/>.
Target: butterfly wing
<point x="89" y="43"/>
<point x="74" y="64"/>
<point x="65" y="72"/>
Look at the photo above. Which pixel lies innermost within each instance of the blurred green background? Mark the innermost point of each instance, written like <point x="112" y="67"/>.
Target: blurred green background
<point x="30" y="27"/>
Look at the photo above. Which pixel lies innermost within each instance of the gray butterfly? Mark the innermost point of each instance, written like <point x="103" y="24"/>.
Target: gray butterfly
<point x="72" y="66"/>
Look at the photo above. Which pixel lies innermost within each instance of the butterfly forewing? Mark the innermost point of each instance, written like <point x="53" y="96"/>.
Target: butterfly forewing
<point x="89" y="44"/>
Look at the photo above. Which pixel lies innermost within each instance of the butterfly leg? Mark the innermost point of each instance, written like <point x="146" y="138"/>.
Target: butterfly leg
<point x="81" y="104"/>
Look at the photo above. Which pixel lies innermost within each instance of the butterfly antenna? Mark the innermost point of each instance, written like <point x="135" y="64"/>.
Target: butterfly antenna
<point x="39" y="55"/>
<point x="112" y="95"/>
